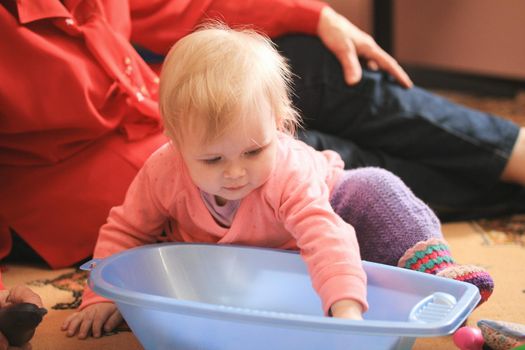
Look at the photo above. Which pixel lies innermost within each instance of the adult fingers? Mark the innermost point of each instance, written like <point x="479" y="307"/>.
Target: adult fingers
<point x="372" y="65"/>
<point x="350" y="64"/>
<point x="384" y="61"/>
<point x="337" y="34"/>
<point x="23" y="294"/>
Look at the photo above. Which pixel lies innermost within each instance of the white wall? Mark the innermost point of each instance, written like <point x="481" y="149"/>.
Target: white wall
<point x="485" y="37"/>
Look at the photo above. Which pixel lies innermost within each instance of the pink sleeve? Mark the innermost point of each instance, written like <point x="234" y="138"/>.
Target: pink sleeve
<point x="89" y="298"/>
<point x="158" y="24"/>
<point x="1" y="284"/>
<point x="327" y="243"/>
<point x="138" y="221"/>
<point x="329" y="247"/>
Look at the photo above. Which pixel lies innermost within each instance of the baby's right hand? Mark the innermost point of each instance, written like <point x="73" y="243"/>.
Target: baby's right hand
<point x="92" y="319"/>
<point x="347" y="308"/>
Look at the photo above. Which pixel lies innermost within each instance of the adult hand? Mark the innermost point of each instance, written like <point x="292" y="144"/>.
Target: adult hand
<point x="5" y="346"/>
<point x="92" y="320"/>
<point x="18" y="294"/>
<point x="348" y="43"/>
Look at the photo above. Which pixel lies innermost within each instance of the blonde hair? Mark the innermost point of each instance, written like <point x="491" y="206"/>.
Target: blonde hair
<point x="214" y="76"/>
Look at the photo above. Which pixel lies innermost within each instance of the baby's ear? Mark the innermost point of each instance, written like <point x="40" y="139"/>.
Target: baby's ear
<point x="500" y="335"/>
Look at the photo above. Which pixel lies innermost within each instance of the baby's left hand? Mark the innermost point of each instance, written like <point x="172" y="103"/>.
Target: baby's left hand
<point x="347" y="308"/>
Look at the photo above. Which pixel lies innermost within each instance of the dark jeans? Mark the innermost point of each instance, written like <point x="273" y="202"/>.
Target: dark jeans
<point x="449" y="155"/>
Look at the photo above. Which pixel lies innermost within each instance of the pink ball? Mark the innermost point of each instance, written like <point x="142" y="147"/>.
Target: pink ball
<point x="468" y="338"/>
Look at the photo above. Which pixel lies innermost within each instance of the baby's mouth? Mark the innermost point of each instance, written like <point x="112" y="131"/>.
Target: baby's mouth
<point x="233" y="188"/>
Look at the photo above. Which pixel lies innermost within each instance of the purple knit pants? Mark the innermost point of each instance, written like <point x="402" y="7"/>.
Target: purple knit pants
<point x="388" y="218"/>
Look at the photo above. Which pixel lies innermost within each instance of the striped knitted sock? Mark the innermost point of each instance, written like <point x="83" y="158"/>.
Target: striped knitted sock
<point x="433" y="256"/>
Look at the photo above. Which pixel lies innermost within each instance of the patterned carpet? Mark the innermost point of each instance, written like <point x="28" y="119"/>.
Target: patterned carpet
<point x="511" y="108"/>
<point x="504" y="230"/>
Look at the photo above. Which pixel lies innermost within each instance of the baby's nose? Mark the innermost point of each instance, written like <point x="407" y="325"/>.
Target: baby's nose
<point x="235" y="171"/>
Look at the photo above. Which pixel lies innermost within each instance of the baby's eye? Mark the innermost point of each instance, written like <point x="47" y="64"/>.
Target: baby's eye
<point x="254" y="152"/>
<point x="212" y="160"/>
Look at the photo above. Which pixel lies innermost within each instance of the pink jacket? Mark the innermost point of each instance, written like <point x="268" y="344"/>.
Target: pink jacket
<point x="290" y="211"/>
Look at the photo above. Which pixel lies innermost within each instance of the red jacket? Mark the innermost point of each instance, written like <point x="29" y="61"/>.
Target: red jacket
<point x="78" y="105"/>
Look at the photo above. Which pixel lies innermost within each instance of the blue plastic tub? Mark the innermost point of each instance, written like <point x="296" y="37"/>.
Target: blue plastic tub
<point x="198" y="296"/>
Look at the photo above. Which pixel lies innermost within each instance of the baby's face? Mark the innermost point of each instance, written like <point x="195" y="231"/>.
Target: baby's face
<point x="236" y="163"/>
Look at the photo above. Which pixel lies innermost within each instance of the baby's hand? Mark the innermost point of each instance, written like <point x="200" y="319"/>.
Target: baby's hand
<point x="347" y="308"/>
<point x="91" y="320"/>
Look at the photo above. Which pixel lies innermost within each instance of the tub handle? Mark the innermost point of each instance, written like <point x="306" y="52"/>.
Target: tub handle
<point x="90" y="265"/>
<point x="433" y="308"/>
